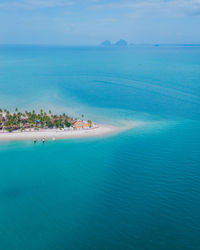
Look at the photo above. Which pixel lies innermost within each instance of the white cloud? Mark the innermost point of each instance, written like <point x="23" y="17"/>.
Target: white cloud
<point x="171" y="7"/>
<point x="36" y="3"/>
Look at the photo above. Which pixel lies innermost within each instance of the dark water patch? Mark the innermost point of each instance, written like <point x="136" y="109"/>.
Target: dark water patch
<point x="11" y="193"/>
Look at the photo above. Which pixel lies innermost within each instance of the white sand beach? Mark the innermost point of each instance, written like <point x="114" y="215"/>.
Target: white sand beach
<point x="54" y="134"/>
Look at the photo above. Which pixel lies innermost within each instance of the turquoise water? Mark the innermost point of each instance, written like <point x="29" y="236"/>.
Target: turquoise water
<point x="136" y="190"/>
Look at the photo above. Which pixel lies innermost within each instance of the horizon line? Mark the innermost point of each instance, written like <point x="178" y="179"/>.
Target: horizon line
<point x="99" y="45"/>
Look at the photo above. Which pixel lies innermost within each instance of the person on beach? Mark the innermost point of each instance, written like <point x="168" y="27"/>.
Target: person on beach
<point x="43" y="140"/>
<point x="35" y="140"/>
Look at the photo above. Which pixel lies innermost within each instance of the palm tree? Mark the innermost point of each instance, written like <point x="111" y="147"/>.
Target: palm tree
<point x="16" y="109"/>
<point x="90" y="123"/>
<point x="49" y="111"/>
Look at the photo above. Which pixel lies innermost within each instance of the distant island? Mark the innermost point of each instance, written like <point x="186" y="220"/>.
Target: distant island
<point x="106" y="43"/>
<point x="46" y="125"/>
<point x="120" y="43"/>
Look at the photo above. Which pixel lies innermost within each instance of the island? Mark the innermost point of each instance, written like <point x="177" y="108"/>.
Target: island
<point x="120" y="43"/>
<point x="106" y="43"/>
<point x="46" y="125"/>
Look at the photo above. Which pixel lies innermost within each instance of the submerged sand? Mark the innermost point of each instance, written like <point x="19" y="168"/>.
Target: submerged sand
<point x="54" y="134"/>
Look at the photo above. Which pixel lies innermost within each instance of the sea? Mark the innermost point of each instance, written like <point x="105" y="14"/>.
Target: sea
<point x="138" y="189"/>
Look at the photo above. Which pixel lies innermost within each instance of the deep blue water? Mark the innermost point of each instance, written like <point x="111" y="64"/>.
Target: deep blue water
<point x="135" y="190"/>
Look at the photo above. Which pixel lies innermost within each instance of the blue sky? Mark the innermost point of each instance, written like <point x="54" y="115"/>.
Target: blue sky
<point x="76" y="22"/>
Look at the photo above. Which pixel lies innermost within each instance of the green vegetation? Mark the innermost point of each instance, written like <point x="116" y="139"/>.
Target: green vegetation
<point x="90" y="123"/>
<point x="27" y="120"/>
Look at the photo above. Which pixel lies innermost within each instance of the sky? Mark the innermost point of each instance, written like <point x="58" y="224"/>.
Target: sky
<point x="89" y="22"/>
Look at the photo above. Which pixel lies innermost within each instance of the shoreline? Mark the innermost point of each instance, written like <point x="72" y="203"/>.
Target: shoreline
<point x="55" y="134"/>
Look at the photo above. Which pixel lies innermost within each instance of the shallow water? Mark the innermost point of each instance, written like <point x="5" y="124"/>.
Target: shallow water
<point x="136" y="190"/>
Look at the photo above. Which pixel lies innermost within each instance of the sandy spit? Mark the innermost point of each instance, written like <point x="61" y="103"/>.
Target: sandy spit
<point x="51" y="134"/>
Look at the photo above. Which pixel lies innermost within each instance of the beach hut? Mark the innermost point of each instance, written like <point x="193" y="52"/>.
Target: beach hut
<point x="81" y="124"/>
<point x="26" y="126"/>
